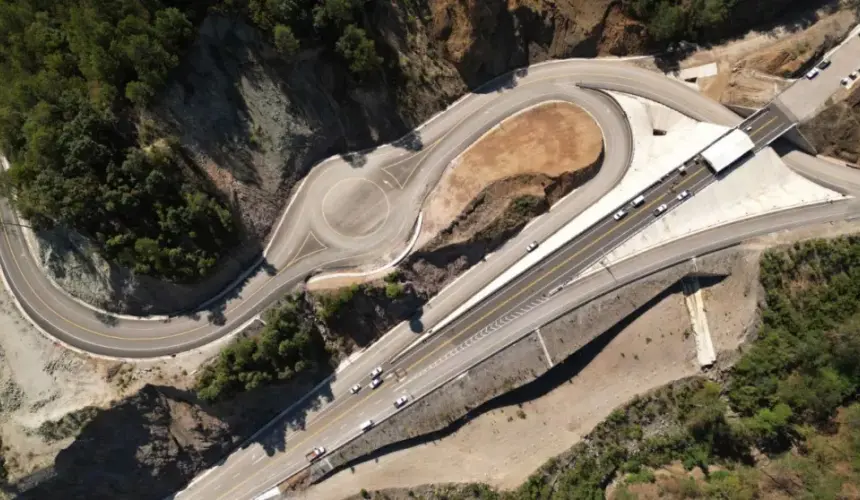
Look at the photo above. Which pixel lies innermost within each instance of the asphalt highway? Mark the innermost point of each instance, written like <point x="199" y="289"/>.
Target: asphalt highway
<point x="767" y="124"/>
<point x="424" y="367"/>
<point x="315" y="234"/>
<point x="513" y="312"/>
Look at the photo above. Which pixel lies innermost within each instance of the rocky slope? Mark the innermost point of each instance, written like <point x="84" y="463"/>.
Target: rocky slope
<point x="257" y="123"/>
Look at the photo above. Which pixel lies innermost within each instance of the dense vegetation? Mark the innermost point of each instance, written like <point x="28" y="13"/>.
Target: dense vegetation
<point x="73" y="72"/>
<point x="786" y="397"/>
<point x="76" y="74"/>
<point x="289" y="344"/>
<point x="339" y="25"/>
<point x="706" y="20"/>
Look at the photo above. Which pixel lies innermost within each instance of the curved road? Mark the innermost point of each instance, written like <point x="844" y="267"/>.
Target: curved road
<point x="348" y="214"/>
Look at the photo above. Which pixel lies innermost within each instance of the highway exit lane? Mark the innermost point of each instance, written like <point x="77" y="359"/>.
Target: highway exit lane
<point x="456" y="347"/>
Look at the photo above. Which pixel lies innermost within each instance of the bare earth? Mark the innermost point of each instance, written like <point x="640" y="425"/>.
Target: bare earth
<point x="752" y="69"/>
<point x="536" y="141"/>
<point x="502" y="449"/>
<point x="41" y="380"/>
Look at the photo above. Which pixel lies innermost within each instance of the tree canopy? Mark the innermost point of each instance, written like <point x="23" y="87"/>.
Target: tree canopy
<point x="73" y="72"/>
<point x="289" y="344"/>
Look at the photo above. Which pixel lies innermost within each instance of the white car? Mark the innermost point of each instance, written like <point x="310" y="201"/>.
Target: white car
<point x="376" y="372"/>
<point x="354" y="389"/>
<point x="683" y="195"/>
<point x="662" y="208"/>
<point x="402" y="400"/>
<point x="375" y="383"/>
<point x="812" y="73"/>
<point x="682" y="170"/>
<point x="532" y="246"/>
<point x="619" y="215"/>
<point x="845" y="82"/>
<point x="853" y="75"/>
<point x="366" y="425"/>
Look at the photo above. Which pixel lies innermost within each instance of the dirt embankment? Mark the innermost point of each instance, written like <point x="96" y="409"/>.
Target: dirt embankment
<point x="511" y="175"/>
<point x="836" y="130"/>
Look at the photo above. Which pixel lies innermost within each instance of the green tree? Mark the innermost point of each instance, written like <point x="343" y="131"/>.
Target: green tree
<point x="285" y="40"/>
<point x="358" y="50"/>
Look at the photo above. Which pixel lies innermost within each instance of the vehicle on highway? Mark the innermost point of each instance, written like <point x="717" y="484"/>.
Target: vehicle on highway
<point x="402" y="400"/>
<point x="315" y="453"/>
<point x="662" y="208"/>
<point x="555" y="290"/>
<point x="824" y="64"/>
<point x="683" y="195"/>
<point x="619" y="214"/>
<point x="354" y="389"/>
<point x="376" y="372"/>
<point x="845" y="82"/>
<point x="375" y="383"/>
<point x="812" y="73"/>
<point x="366" y="425"/>
<point x="748" y="128"/>
<point x="638" y="200"/>
<point x="532" y="246"/>
<point x="682" y="170"/>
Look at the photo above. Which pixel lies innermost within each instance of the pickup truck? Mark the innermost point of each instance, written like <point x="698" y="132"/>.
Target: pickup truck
<point x="315" y="453"/>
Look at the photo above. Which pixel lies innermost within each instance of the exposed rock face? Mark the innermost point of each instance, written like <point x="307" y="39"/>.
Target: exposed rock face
<point x="150" y="445"/>
<point x="256" y="123"/>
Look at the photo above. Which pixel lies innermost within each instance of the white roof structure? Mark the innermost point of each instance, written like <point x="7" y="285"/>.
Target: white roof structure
<point x="728" y="149"/>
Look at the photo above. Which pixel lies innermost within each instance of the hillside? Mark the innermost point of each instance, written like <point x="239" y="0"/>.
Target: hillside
<point x="783" y="422"/>
<point x="232" y="102"/>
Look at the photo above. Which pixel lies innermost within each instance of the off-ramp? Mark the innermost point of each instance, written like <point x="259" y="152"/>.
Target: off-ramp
<point x="351" y="210"/>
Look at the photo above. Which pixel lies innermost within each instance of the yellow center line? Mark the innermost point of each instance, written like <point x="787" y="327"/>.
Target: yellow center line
<point x="465" y="330"/>
<point x="759" y="129"/>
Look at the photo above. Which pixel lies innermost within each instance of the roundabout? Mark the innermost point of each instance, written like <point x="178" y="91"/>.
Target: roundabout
<point x="346" y="216"/>
<point x="355" y="208"/>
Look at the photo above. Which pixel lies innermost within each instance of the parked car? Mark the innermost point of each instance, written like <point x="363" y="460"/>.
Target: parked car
<point x="683" y="195"/>
<point x="402" y="400"/>
<point x="354" y="389"/>
<point x="682" y="170"/>
<point x="662" y="208"/>
<point x="366" y="425"/>
<point x="845" y="82"/>
<point x="619" y="215"/>
<point x="812" y="73"/>
<point x="824" y="64"/>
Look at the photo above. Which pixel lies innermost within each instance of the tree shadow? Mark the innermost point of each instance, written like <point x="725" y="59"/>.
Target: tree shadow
<point x="106" y="319"/>
<point x="410" y="142"/>
<point x="670" y="60"/>
<point x="355" y="159"/>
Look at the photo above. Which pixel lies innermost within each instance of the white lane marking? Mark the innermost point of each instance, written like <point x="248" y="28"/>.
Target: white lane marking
<point x="258" y="459"/>
<point x="545" y="351"/>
